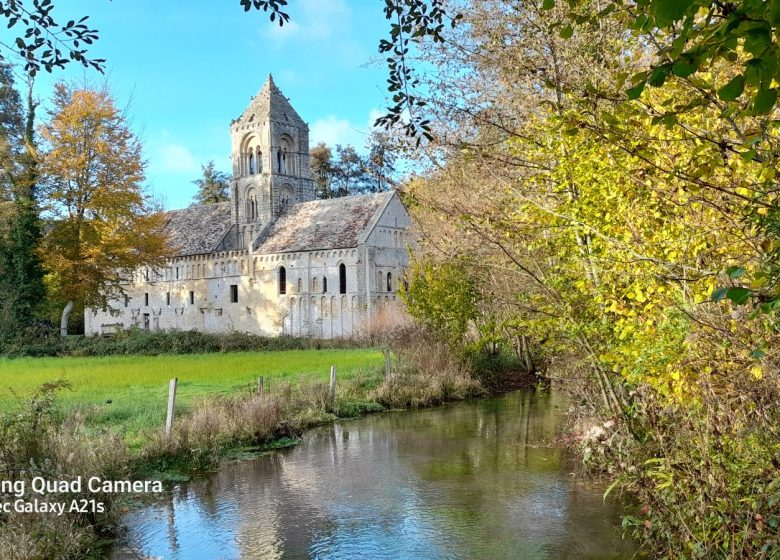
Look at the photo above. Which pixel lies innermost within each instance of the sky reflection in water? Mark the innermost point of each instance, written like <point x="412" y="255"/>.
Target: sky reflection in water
<point x="470" y="481"/>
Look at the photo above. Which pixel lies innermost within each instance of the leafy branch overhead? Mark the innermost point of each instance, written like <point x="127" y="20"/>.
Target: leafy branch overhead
<point x="411" y="22"/>
<point x="46" y="43"/>
<point x="691" y="35"/>
<point x="275" y="6"/>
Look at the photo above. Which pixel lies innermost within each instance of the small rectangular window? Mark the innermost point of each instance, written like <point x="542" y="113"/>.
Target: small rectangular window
<point x="127" y="300"/>
<point x="234" y="293"/>
<point x="177" y="273"/>
<point x="146" y="300"/>
<point x="167" y="298"/>
<point x="192" y="298"/>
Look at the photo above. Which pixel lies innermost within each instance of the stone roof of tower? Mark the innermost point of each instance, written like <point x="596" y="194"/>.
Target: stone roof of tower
<point x="336" y="223"/>
<point x="198" y="229"/>
<point x="269" y="103"/>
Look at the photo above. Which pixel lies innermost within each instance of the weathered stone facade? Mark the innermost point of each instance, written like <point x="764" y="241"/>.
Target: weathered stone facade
<point x="273" y="260"/>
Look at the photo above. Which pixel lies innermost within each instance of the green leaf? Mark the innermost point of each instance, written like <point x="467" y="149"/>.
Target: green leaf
<point x="719" y="294"/>
<point x="668" y="11"/>
<point x="567" y="32"/>
<point x="611" y="487"/>
<point x="658" y="76"/>
<point x="735" y="272"/>
<point x="548" y="4"/>
<point x="749" y="155"/>
<point x="733" y="89"/>
<point x="757" y="354"/>
<point x="609" y="118"/>
<point x="773" y="12"/>
<point x="636" y="91"/>
<point x="738" y="295"/>
<point x="764" y="101"/>
<point x="683" y="68"/>
<point x="757" y="40"/>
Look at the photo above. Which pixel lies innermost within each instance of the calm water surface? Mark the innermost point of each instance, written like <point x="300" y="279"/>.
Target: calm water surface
<point x="470" y="481"/>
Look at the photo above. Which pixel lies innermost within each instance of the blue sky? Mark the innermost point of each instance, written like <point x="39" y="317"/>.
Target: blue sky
<point x="185" y="68"/>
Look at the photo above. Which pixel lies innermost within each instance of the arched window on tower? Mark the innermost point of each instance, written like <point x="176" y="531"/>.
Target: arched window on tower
<point x="259" y="161"/>
<point x="251" y="205"/>
<point x="282" y="280"/>
<point x="389" y="282"/>
<point x="285" y="163"/>
<point x="251" y="164"/>
<point x="324" y="284"/>
<point x="342" y="278"/>
<point x="279" y="167"/>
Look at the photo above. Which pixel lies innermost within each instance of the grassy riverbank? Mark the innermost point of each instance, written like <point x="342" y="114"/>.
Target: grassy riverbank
<point x="128" y="394"/>
<point x="72" y="431"/>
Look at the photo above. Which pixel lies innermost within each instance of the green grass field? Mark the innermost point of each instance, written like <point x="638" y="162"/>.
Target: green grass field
<point x="137" y="386"/>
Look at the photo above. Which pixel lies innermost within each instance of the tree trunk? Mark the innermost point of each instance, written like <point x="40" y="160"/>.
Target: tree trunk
<point x="65" y="317"/>
<point x="530" y="367"/>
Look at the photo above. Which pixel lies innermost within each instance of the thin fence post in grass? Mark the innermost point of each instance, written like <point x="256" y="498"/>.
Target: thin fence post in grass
<point x="260" y="385"/>
<point x="332" y="387"/>
<point x="388" y="368"/>
<point x="171" y="405"/>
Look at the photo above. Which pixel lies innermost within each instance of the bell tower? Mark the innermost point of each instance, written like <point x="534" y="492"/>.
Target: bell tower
<point x="271" y="170"/>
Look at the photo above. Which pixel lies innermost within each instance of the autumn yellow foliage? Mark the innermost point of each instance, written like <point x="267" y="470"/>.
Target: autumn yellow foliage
<point x="101" y="221"/>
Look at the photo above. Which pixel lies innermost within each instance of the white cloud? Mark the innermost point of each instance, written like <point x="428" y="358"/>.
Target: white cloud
<point x="312" y="20"/>
<point x="175" y="157"/>
<point x="332" y="130"/>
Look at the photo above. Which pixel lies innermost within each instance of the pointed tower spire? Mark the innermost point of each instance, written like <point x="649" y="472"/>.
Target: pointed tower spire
<point x="269" y="104"/>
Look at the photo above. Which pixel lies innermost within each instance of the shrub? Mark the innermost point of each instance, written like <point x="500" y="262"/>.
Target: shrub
<point x="145" y="343"/>
<point x="704" y="472"/>
<point x="36" y="439"/>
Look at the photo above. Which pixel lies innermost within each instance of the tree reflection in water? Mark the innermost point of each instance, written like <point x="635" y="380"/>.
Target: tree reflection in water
<point x="475" y="480"/>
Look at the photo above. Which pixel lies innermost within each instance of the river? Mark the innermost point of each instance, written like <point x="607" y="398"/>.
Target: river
<point x="475" y="480"/>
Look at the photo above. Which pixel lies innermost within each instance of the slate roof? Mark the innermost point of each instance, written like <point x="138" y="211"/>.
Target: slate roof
<point x="271" y="103"/>
<point x="198" y="229"/>
<point x="336" y="223"/>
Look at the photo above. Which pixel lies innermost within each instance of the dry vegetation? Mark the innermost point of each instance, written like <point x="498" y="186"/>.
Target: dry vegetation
<point x="41" y="438"/>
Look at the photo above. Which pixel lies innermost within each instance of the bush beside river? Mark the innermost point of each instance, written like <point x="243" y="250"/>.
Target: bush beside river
<point x="51" y="434"/>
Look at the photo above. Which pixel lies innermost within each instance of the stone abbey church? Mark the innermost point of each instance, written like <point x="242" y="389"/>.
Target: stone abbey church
<point x="273" y="260"/>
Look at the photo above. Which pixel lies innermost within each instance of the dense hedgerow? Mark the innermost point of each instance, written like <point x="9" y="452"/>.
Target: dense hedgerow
<point x="143" y="343"/>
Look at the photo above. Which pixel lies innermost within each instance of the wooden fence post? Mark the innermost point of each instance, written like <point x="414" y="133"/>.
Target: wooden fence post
<point x="260" y="385"/>
<point x="171" y="405"/>
<point x="388" y="369"/>
<point x="332" y="387"/>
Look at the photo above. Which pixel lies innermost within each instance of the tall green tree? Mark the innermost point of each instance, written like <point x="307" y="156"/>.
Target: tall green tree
<point x="321" y="159"/>
<point x="21" y="274"/>
<point x="213" y="186"/>
<point x="380" y="162"/>
<point x="349" y="172"/>
<point x="346" y="173"/>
